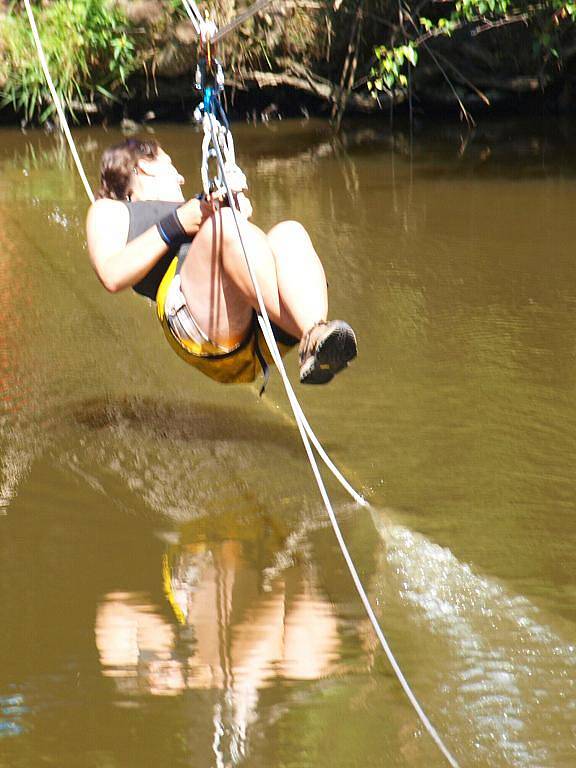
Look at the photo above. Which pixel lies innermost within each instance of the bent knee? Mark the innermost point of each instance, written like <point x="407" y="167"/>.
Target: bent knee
<point x="290" y="236"/>
<point x="288" y="228"/>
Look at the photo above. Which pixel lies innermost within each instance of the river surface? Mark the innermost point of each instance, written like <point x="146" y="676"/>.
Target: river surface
<point x="171" y="593"/>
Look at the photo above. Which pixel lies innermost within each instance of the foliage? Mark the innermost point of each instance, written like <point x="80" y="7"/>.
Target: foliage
<point x="547" y="21"/>
<point x="391" y="63"/>
<point x="88" y="49"/>
<point x="267" y="39"/>
<point x="94" y="46"/>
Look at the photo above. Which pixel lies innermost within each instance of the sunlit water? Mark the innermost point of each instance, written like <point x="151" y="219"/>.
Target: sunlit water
<point x="170" y="590"/>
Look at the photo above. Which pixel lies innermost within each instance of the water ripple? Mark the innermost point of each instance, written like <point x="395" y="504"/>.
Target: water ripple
<point x="504" y="675"/>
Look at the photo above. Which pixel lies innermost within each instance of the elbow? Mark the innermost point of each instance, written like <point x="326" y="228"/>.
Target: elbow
<point x="111" y="285"/>
<point x="108" y="278"/>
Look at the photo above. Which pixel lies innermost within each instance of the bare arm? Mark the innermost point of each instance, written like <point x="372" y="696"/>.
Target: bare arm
<point x="120" y="264"/>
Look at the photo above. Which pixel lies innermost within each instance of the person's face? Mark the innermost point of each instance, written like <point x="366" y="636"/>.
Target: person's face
<point x="158" y="179"/>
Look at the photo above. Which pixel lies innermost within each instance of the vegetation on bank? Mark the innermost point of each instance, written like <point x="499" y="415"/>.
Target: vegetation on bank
<point x="485" y="51"/>
<point x="89" y="48"/>
<point x="360" y="54"/>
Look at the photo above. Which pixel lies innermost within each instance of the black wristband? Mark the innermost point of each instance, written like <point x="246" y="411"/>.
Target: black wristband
<point x="171" y="230"/>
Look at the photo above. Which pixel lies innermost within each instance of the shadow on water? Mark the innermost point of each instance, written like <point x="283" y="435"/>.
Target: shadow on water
<point x="187" y="421"/>
<point x="181" y="459"/>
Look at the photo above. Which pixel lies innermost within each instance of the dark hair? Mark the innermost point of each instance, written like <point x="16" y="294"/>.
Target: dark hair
<point x="118" y="164"/>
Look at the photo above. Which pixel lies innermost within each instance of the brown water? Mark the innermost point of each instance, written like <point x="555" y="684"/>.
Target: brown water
<point x="170" y="591"/>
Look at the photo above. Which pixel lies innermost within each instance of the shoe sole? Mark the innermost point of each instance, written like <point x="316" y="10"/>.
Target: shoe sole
<point x="332" y="355"/>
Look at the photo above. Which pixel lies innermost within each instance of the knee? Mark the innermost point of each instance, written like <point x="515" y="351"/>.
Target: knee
<point x="291" y="243"/>
<point x="292" y="230"/>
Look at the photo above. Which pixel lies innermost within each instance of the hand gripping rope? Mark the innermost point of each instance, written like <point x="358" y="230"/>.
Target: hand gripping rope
<point x="218" y="144"/>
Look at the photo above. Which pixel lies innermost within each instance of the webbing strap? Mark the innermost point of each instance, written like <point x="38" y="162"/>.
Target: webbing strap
<point x="266" y="370"/>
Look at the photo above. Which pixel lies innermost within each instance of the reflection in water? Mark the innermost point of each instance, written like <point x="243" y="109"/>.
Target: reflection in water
<point x="12" y="713"/>
<point x="16" y="460"/>
<point x="231" y="637"/>
<point x="41" y="168"/>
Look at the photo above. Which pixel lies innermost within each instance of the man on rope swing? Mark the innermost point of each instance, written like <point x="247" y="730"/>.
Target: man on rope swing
<point x="187" y="256"/>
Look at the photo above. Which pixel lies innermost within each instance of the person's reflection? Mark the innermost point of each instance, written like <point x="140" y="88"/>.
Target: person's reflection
<point x="242" y="638"/>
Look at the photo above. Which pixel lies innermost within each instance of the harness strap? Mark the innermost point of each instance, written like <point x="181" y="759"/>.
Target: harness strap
<point x="263" y="362"/>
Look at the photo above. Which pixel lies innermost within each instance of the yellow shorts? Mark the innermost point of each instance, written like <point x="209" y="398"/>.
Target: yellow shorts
<point x="240" y="365"/>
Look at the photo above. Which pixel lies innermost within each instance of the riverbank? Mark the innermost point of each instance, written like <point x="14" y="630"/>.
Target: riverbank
<point x="121" y="60"/>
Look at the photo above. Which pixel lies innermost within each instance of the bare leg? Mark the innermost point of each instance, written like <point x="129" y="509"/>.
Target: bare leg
<point x="219" y="292"/>
<point x="218" y="288"/>
<point x="325" y="348"/>
<point x="216" y="283"/>
<point x="301" y="279"/>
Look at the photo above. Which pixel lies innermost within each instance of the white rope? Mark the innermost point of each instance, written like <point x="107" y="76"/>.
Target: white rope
<point x="305" y="430"/>
<point x="194" y="15"/>
<point x="322" y="453"/>
<point x="57" y="101"/>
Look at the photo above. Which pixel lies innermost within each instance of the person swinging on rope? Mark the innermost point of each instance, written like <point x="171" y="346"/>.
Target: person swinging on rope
<point x="187" y="257"/>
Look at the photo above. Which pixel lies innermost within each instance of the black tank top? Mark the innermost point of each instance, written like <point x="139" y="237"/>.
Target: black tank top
<point x="143" y="215"/>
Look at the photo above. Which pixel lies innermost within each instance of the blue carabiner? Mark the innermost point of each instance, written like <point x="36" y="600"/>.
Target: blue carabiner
<point x="208" y="92"/>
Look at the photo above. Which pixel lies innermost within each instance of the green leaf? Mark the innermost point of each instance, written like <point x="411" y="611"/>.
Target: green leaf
<point x="411" y="55"/>
<point x="47" y="112"/>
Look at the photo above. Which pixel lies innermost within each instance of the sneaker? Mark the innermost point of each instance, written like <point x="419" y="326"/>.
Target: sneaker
<point x="325" y="350"/>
